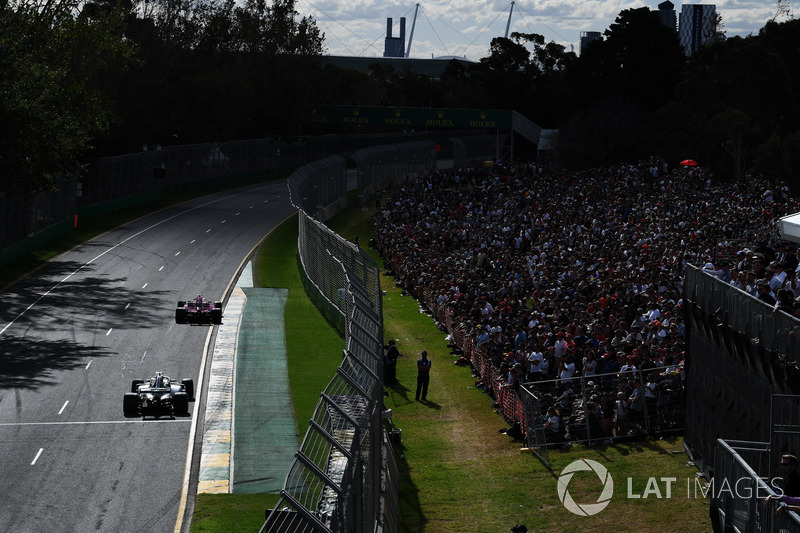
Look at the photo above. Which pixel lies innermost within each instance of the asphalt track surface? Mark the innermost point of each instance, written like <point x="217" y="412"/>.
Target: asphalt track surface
<point x="74" y="334"/>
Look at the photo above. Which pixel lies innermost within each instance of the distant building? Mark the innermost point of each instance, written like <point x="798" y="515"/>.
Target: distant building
<point x="587" y="37"/>
<point x="667" y="16"/>
<point x="698" y="26"/>
<point x="395" y="46"/>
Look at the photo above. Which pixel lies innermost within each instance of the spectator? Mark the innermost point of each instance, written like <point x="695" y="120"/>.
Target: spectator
<point x="423" y="376"/>
<point x="621" y="415"/>
<point x="535" y="358"/>
<point x="635" y="406"/>
<point x="390" y="364"/>
<point x="790" y="477"/>
<point x="778" y="275"/>
<point x="765" y="293"/>
<point x="552" y="426"/>
<point x="566" y="369"/>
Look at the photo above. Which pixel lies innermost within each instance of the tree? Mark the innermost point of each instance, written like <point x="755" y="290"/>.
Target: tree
<point x="640" y="59"/>
<point x="53" y="98"/>
<point x="730" y="127"/>
<point x="507" y="56"/>
<point x="547" y="58"/>
<point x="782" y="10"/>
<point x="739" y="73"/>
<point x="611" y="131"/>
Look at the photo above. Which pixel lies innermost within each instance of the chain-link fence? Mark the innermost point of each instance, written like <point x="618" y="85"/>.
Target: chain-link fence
<point x="473" y="151"/>
<point x="338" y="481"/>
<point x="185" y="167"/>
<point x="319" y="188"/>
<point x="315" y="242"/>
<point x="344" y="478"/>
<point x="113" y="183"/>
<point x="385" y="166"/>
<point x="601" y="407"/>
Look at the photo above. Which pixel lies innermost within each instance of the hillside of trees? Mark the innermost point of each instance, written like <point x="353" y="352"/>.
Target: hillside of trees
<point x="105" y="77"/>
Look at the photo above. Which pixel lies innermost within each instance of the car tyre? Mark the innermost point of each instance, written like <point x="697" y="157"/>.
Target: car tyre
<point x="130" y="404"/>
<point x="188" y="386"/>
<point x="180" y="315"/>
<point x="181" y="403"/>
<point x="216" y="316"/>
<point x="135" y="384"/>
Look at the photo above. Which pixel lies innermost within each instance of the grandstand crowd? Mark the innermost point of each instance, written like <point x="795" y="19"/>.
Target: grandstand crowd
<point x="560" y="276"/>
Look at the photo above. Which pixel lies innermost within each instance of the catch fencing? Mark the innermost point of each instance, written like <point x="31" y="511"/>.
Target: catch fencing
<point x="319" y="188"/>
<point x="474" y="151"/>
<point x="380" y="167"/>
<point x="36" y="216"/>
<point x="344" y="477"/>
<point x="336" y="482"/>
<point x="113" y="183"/>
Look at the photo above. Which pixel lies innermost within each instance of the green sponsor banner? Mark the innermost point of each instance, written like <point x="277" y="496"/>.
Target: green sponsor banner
<point x="412" y="117"/>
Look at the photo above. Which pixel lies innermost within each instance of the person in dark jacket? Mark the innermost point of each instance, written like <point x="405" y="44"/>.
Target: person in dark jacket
<point x="390" y="363"/>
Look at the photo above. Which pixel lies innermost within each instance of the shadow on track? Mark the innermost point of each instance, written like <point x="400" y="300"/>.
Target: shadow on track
<point x="30" y="364"/>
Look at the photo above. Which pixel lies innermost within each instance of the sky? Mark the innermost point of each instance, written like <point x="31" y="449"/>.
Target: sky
<point x="465" y="28"/>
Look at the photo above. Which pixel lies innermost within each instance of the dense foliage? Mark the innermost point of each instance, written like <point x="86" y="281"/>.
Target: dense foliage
<point x="106" y="77"/>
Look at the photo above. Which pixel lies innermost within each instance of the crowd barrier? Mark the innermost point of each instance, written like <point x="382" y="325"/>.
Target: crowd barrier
<point x="739" y="491"/>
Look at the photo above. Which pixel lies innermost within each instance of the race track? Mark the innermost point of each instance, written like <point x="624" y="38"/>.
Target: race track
<point x="75" y="333"/>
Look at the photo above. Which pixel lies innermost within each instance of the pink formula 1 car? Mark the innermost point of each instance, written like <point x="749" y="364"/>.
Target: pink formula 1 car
<point x="198" y="311"/>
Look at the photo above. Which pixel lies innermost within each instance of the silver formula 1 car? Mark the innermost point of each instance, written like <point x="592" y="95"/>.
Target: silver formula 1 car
<point x="198" y="311"/>
<point x="157" y="396"/>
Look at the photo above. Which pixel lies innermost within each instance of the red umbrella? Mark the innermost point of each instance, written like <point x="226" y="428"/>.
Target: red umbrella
<point x="689" y="163"/>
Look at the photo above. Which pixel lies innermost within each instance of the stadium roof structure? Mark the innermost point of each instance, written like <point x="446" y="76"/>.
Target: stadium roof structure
<point x="789" y="227"/>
